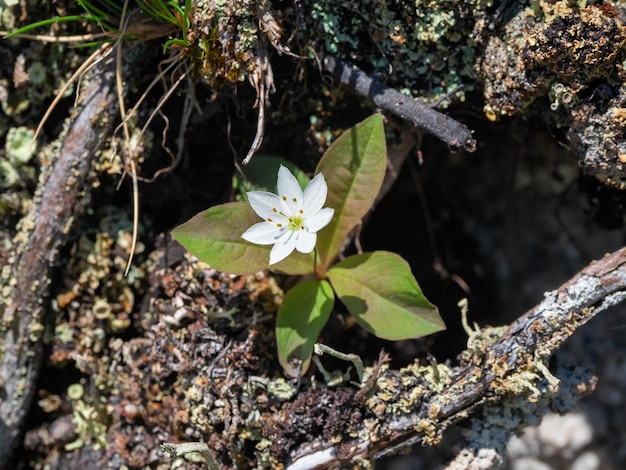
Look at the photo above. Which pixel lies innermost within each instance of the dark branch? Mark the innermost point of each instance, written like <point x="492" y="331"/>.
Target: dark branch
<point x="447" y="129"/>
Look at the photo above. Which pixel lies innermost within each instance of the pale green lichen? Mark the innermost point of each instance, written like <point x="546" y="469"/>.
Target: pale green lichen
<point x="7" y="13"/>
<point x="282" y="389"/>
<point x="64" y="333"/>
<point x="193" y="451"/>
<point x="90" y="424"/>
<point x="16" y="102"/>
<point x="427" y="48"/>
<point x="9" y="177"/>
<point x="19" y="145"/>
<point x="75" y="391"/>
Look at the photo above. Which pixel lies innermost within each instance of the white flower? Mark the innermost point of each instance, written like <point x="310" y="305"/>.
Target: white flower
<point x="291" y="218"/>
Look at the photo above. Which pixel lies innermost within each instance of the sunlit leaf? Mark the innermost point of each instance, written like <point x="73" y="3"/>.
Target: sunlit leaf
<point x="214" y="236"/>
<point x="381" y="293"/>
<point x="301" y="317"/>
<point x="354" y="168"/>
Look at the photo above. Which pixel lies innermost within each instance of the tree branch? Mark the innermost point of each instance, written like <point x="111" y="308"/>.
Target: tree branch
<point x="447" y="129"/>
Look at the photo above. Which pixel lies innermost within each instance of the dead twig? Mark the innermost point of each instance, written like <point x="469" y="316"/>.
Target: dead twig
<point x="383" y="358"/>
<point x="447" y="129"/>
<point x="263" y="81"/>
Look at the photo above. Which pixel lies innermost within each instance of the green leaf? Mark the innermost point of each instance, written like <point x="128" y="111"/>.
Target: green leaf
<point x="381" y="293"/>
<point x="261" y="175"/>
<point x="214" y="236"/>
<point x="354" y="168"/>
<point x="301" y="317"/>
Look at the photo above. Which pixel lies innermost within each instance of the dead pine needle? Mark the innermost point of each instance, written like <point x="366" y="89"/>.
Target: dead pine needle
<point x="92" y="60"/>
<point x="129" y="147"/>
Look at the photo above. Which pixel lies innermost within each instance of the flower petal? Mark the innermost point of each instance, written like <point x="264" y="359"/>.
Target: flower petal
<point x="314" y="195"/>
<point x="289" y="190"/>
<point x="319" y="220"/>
<point x="306" y="241"/>
<point x="267" y="205"/>
<point x="263" y="233"/>
<point x="284" y="246"/>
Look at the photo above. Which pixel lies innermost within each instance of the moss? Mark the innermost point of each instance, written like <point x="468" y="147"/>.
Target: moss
<point x="226" y="40"/>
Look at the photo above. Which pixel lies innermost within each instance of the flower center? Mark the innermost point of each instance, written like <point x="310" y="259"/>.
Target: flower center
<point x="296" y="223"/>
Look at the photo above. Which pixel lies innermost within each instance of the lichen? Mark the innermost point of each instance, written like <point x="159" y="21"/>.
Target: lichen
<point x="597" y="133"/>
<point x="9" y="177"/>
<point x="562" y="95"/>
<point x="19" y="146"/>
<point x="181" y="348"/>
<point x="37" y="73"/>
<point x="559" y="44"/>
<point x="489" y="431"/>
<point x="91" y="425"/>
<point x="8" y="15"/>
<point x="427" y="49"/>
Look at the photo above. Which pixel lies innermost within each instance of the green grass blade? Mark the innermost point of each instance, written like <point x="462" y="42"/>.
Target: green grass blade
<point x="49" y="21"/>
<point x="157" y="10"/>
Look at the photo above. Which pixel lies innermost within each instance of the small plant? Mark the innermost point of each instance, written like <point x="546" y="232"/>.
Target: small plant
<point x="299" y="237"/>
